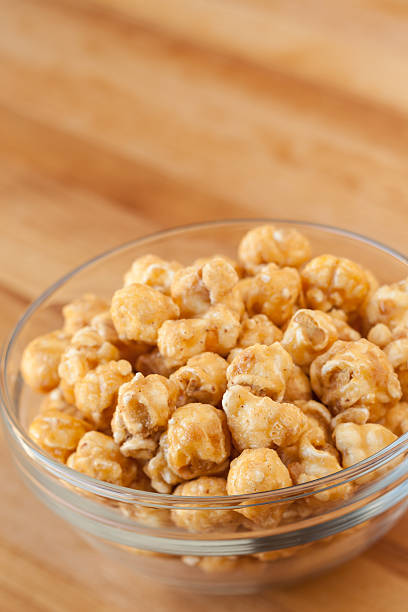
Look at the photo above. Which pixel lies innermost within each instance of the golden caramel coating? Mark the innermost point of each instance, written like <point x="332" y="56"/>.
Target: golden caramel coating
<point x="309" y="334"/>
<point x="265" y="369"/>
<point x="129" y="350"/>
<point x="55" y="401"/>
<point x="396" y="419"/>
<point x="142" y="413"/>
<point x="355" y="374"/>
<point x="198" y="441"/>
<point x="380" y="335"/>
<point x="259" y="422"/>
<point x="344" y="330"/>
<point x="200" y="261"/>
<point x="203" y="379"/>
<point x="254" y="471"/>
<point x="80" y="312"/>
<point x="318" y="413"/>
<point x="196" y="288"/>
<point x="267" y="244"/>
<point x="388" y="305"/>
<point x="86" y="351"/>
<point x="180" y="340"/>
<point x="138" y="312"/>
<point x="297" y="386"/>
<point x="154" y="363"/>
<point x="57" y="432"/>
<point x="222" y="329"/>
<point x="397" y="353"/>
<point x="258" y="330"/>
<point x="273" y="292"/>
<point x="145" y="515"/>
<point x="98" y="456"/>
<point x="162" y="477"/>
<point x="40" y="361"/>
<point x="96" y="392"/>
<point x="357" y="442"/>
<point x="152" y="271"/>
<point x="204" y="520"/>
<point x="334" y="282"/>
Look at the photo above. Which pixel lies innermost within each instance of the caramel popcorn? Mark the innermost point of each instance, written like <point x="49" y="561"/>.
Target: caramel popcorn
<point x="196" y="288"/>
<point x="267" y="244"/>
<point x="309" y="334"/>
<point x="396" y="418"/>
<point x="388" y="305"/>
<point x="358" y="442"/>
<point x="198" y="441"/>
<point x="86" y="351"/>
<point x="57" y="432"/>
<point x="274" y="292"/>
<point x="154" y="363"/>
<point x="152" y="271"/>
<point x="222" y="329"/>
<point x="179" y="340"/>
<point x="98" y="456"/>
<point x="143" y="409"/>
<point x="162" y="477"/>
<point x="96" y="392"/>
<point x="265" y="369"/>
<point x="254" y="471"/>
<point x="297" y="386"/>
<point x="201" y="520"/>
<point x="397" y="353"/>
<point x="334" y="282"/>
<point x="80" y="312"/>
<point x="258" y="330"/>
<point x="128" y="350"/>
<point x="203" y="379"/>
<point x="260" y="422"/>
<point x="138" y="311"/>
<point x="54" y="400"/>
<point x="40" y="361"/>
<point x="355" y="374"/>
<point x="380" y="335"/>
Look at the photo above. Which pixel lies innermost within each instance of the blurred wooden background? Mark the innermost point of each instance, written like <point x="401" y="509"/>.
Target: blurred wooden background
<point x="119" y="117"/>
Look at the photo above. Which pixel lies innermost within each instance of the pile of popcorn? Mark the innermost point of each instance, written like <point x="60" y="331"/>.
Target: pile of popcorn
<point x="226" y="377"/>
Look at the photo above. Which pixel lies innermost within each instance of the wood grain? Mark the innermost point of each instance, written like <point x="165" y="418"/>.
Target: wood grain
<point x="119" y="118"/>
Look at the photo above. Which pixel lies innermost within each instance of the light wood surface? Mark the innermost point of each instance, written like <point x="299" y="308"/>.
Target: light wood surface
<point x="119" y="117"/>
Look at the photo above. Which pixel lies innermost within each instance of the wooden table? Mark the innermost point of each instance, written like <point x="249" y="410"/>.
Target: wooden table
<point x="119" y="117"/>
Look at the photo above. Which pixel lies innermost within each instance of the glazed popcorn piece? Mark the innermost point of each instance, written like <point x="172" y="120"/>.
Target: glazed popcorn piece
<point x="142" y="413"/>
<point x="258" y="330"/>
<point x="55" y="400"/>
<point x="274" y="292"/>
<point x="355" y="374"/>
<point x="309" y="334"/>
<point x="138" y="311"/>
<point x="130" y="350"/>
<point x="57" y="432"/>
<point x="265" y="369"/>
<point x="154" y="363"/>
<point x="254" y="471"/>
<point x="388" y="305"/>
<point x="267" y="244"/>
<point x="198" y="441"/>
<point x="196" y="288"/>
<point x="80" y="312"/>
<point x="222" y="329"/>
<point x="396" y="419"/>
<point x="397" y="353"/>
<point x="40" y="361"/>
<point x="98" y="456"/>
<point x="358" y="442"/>
<point x="201" y="520"/>
<point x="334" y="282"/>
<point x="317" y="414"/>
<point x="344" y="330"/>
<point x="96" y="392"/>
<point x="203" y="379"/>
<point x="297" y="386"/>
<point x="179" y="340"/>
<point x="86" y="351"/>
<point x="380" y="335"/>
<point x="162" y="477"/>
<point x="152" y="271"/>
<point x="260" y="422"/>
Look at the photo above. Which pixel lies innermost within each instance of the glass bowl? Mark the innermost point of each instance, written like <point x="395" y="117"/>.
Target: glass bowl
<point x="135" y="526"/>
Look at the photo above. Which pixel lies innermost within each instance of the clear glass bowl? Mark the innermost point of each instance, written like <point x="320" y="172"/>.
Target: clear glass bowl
<point x="135" y="526"/>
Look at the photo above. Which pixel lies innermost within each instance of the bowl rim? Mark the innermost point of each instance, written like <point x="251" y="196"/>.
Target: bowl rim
<point x="129" y="495"/>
